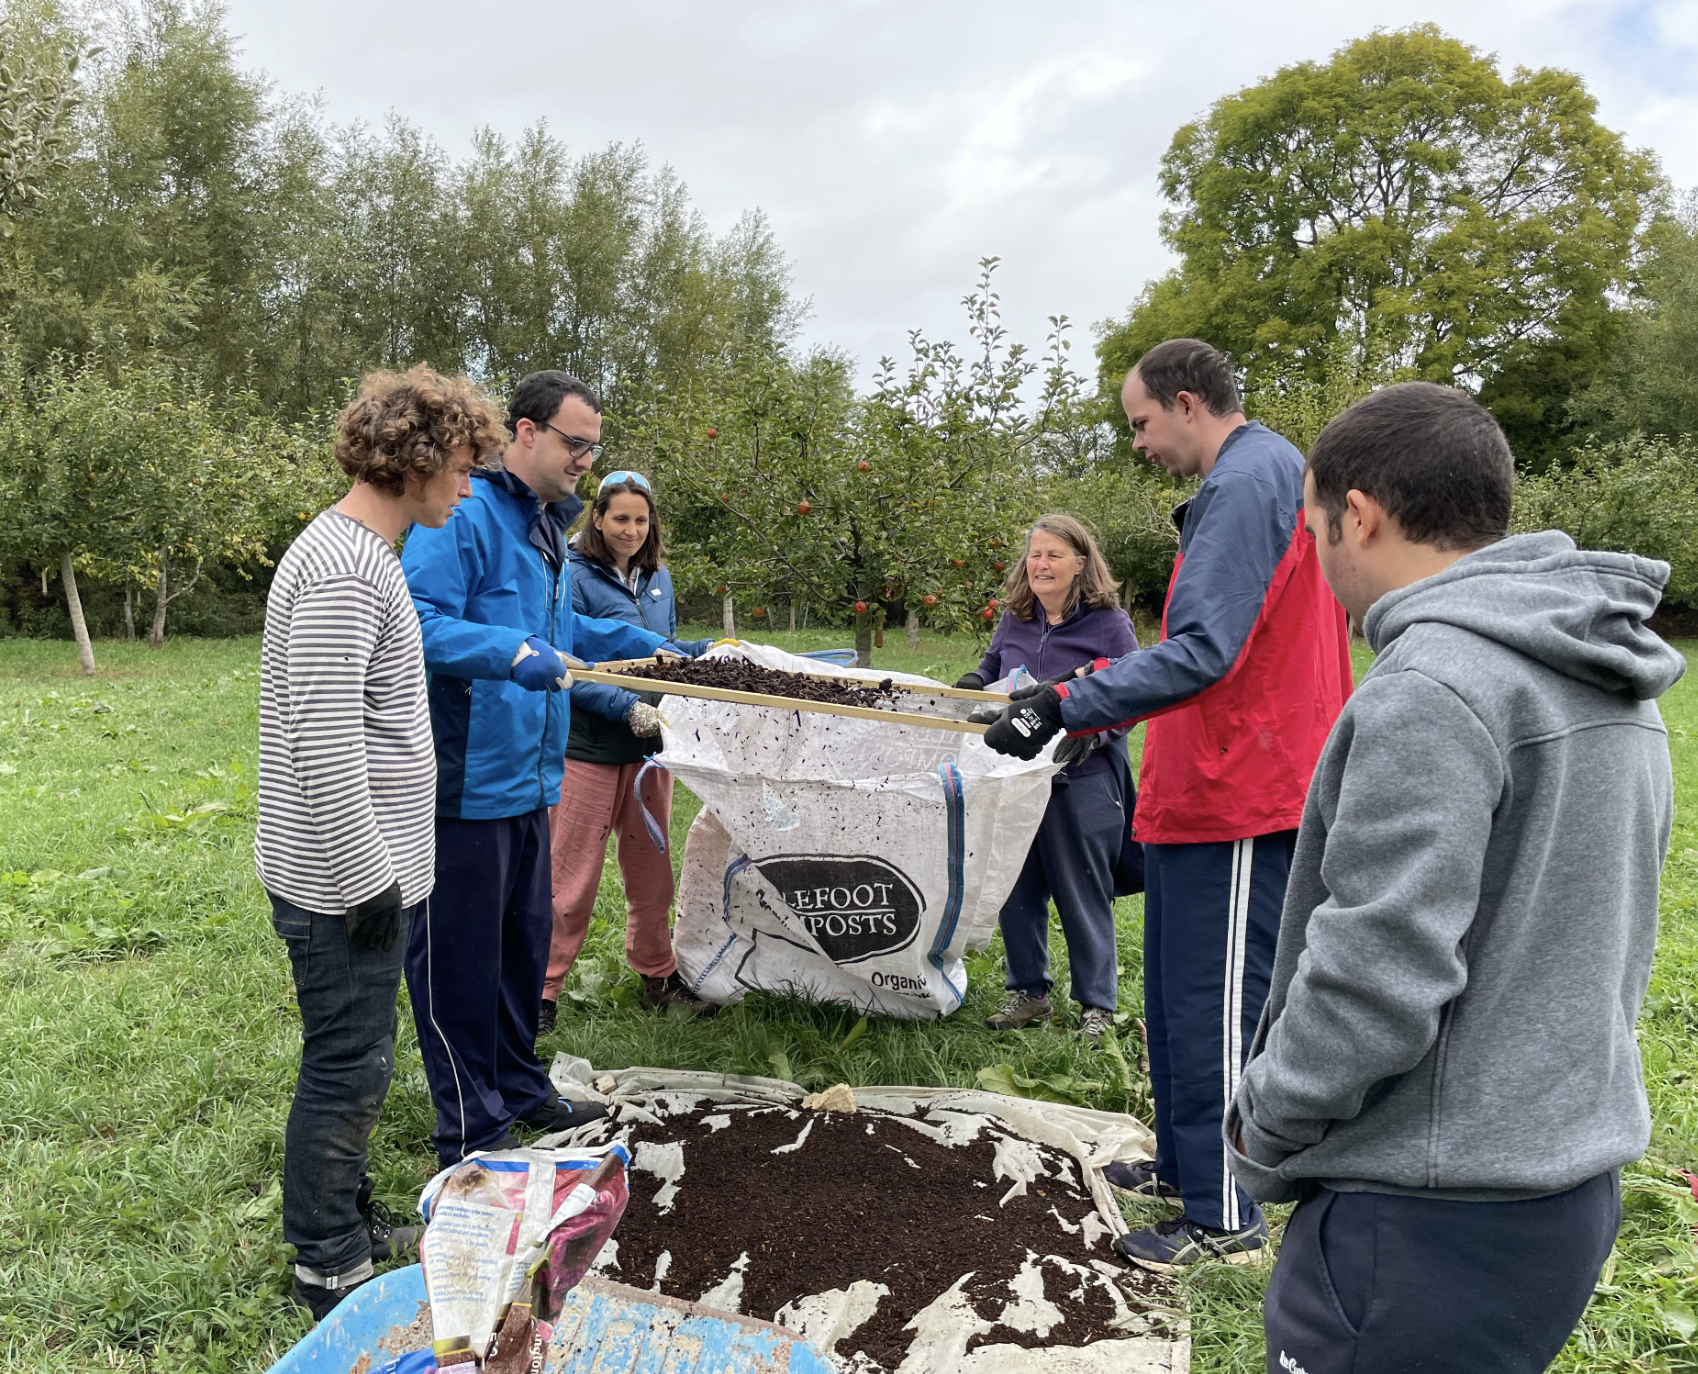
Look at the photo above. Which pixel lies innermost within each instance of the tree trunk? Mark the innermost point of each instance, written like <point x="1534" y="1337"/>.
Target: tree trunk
<point x="728" y="617"/>
<point x="863" y="641"/>
<point x="792" y="615"/>
<point x="156" y="636"/>
<point x="804" y="615"/>
<point x="129" y="613"/>
<point x="913" y="631"/>
<point x="79" y="626"/>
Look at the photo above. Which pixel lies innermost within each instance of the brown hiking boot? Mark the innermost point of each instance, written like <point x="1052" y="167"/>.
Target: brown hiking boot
<point x="1020" y="1011"/>
<point x="673" y="991"/>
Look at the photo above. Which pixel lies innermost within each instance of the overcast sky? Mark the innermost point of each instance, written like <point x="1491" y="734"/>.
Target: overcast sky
<point x="893" y="143"/>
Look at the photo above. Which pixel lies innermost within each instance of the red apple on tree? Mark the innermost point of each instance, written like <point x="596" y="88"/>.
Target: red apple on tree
<point x="863" y="466"/>
<point x="929" y="599"/>
<point x="860" y="608"/>
<point x="713" y="434"/>
<point x="803" y="508"/>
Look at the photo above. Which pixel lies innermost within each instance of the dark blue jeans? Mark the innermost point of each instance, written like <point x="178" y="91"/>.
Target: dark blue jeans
<point x="1072" y="859"/>
<point x="348" y="1021"/>
<point x="1396" y="1285"/>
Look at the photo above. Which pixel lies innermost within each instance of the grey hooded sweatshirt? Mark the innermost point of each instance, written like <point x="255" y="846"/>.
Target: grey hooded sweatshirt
<point x="1472" y="905"/>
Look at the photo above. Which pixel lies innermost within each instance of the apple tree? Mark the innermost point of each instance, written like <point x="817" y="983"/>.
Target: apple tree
<point x="907" y="503"/>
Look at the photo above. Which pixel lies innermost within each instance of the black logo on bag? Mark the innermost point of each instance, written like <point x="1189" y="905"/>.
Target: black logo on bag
<point x="856" y="906"/>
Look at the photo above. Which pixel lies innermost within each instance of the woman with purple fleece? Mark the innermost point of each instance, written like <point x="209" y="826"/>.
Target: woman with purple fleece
<point x="1062" y="612"/>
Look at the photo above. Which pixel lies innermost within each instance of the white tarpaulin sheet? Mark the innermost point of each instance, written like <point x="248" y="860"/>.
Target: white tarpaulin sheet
<point x="1091" y="1138"/>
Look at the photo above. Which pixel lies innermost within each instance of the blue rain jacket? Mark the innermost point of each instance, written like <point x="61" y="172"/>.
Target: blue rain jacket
<point x="599" y="733"/>
<point x="490" y="578"/>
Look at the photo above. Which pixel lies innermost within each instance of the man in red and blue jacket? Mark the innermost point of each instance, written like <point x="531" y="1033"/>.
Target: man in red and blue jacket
<point x="1239" y="695"/>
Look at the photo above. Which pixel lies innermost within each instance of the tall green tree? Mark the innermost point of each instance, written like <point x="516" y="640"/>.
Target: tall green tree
<point x="1405" y="191"/>
<point x="1650" y="384"/>
<point x="38" y="97"/>
<point x="904" y="505"/>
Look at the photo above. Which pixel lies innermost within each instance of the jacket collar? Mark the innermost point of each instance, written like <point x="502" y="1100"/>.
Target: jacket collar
<point x="595" y="565"/>
<point x="548" y="524"/>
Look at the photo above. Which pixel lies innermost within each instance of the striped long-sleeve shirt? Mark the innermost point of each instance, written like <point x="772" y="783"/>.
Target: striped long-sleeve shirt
<point x="347" y="772"/>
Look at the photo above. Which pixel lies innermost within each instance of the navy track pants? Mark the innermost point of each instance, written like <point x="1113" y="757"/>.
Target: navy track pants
<point x="1397" y="1285"/>
<point x="1072" y="859"/>
<point x="1211" y="917"/>
<point x="475" y="967"/>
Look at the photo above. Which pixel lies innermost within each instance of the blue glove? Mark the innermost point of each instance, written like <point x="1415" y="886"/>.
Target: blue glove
<point x="691" y="648"/>
<point x="540" y="667"/>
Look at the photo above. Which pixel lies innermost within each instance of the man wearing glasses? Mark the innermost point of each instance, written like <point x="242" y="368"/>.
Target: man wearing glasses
<point x="492" y="590"/>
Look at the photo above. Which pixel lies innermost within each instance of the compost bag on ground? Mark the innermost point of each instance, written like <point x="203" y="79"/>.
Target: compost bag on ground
<point x="840" y="858"/>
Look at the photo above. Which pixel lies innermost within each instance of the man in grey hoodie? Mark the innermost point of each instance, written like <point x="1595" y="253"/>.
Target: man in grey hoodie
<point x="1445" y="1075"/>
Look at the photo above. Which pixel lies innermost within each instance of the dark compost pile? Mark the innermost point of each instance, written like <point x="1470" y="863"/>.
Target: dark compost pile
<point x="794" y="1204"/>
<point x="735" y="675"/>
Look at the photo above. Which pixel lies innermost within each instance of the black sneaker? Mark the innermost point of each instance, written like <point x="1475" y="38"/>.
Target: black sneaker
<point x="673" y="991"/>
<point x="1169" y="1246"/>
<point x="390" y="1239"/>
<point x="1138" y="1180"/>
<point x="546" y="1018"/>
<point x="561" y="1114"/>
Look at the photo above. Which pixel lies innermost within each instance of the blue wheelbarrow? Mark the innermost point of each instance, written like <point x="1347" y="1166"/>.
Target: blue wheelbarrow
<point x="383" y="1327"/>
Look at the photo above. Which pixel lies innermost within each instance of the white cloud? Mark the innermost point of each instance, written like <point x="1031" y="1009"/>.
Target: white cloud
<point x="893" y="144"/>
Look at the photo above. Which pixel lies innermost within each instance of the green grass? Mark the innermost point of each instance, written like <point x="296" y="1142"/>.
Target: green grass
<point x="148" y="1037"/>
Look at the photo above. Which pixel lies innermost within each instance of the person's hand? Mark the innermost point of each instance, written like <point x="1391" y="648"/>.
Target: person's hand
<point x="1077" y="748"/>
<point x="1031" y="689"/>
<point x="375" y="924"/>
<point x="692" y="648"/>
<point x="643" y="719"/>
<point x="540" y="667"/>
<point x="971" y="682"/>
<point x="1026" y="726"/>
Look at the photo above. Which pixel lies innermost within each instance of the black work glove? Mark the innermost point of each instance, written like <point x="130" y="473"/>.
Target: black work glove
<point x="1077" y="748"/>
<point x="376" y="922"/>
<point x="1027" y="725"/>
<point x="1031" y="689"/>
<point x="971" y="681"/>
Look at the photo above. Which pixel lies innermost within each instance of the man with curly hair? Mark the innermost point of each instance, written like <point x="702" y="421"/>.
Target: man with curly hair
<point x="346" y="842"/>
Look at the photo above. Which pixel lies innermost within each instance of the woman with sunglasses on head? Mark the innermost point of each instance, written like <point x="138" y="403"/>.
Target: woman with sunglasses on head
<point x="617" y="575"/>
<point x="1062" y="613"/>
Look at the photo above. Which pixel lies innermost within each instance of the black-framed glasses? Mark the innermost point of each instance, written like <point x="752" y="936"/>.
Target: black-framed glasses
<point x="574" y="445"/>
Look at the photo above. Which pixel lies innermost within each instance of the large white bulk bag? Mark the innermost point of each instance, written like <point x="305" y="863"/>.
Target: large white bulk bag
<point x="839" y="858"/>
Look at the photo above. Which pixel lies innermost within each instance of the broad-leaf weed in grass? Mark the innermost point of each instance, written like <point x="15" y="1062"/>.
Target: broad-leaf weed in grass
<point x="148" y="1037"/>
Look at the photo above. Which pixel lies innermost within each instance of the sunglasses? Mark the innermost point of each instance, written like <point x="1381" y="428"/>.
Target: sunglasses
<point x="636" y="479"/>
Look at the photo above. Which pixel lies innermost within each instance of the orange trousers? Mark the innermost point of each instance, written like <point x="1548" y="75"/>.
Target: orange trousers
<point x="596" y="801"/>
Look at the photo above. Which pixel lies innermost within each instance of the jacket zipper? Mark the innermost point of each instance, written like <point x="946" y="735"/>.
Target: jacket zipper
<point x="553" y="627"/>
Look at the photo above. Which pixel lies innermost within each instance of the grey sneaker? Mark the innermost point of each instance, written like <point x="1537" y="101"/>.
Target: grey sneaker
<point x="1170" y="1246"/>
<point x="1020" y="1011"/>
<point x="1093" y="1021"/>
